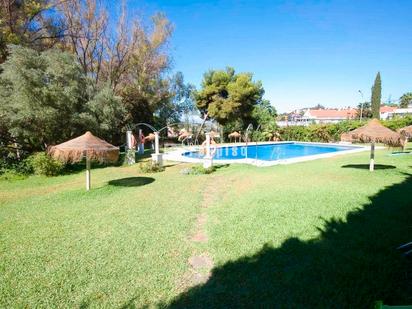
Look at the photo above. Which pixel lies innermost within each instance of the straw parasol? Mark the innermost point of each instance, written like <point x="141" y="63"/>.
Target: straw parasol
<point x="214" y="134"/>
<point x="183" y="135"/>
<point x="406" y="131"/>
<point x="150" y="138"/>
<point x="85" y="146"/>
<point x="234" y="135"/>
<point x="277" y="137"/>
<point x="374" y="132"/>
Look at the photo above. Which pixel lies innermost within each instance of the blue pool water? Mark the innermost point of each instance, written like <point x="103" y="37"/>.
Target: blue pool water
<point x="270" y="152"/>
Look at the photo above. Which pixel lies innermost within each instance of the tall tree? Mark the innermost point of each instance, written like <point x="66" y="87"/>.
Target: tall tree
<point x="180" y="102"/>
<point x="264" y="116"/>
<point x="405" y="100"/>
<point x="85" y="29"/>
<point x="226" y="96"/>
<point x="46" y="100"/>
<point x="29" y="23"/>
<point x="365" y="109"/>
<point x="376" y="96"/>
<point x="144" y="86"/>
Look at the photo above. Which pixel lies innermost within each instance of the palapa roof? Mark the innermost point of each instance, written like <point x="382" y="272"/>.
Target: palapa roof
<point x="150" y="137"/>
<point x="214" y="133"/>
<point x="234" y="134"/>
<point x="406" y="131"/>
<point x="374" y="132"/>
<point x="183" y="135"/>
<point x="86" y="145"/>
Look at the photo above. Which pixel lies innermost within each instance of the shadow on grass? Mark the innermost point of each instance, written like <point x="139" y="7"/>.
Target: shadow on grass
<point x="352" y="264"/>
<point x="366" y="166"/>
<point x="219" y="166"/>
<point x="131" y="181"/>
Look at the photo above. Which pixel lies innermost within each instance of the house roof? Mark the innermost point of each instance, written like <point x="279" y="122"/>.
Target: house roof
<point x="331" y="113"/>
<point x="387" y="109"/>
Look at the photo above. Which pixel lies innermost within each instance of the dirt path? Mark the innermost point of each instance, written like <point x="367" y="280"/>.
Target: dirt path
<point x="201" y="263"/>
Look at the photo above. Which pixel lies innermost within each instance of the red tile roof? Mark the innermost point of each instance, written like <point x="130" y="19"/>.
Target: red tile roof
<point x="349" y="113"/>
<point x="333" y="113"/>
<point x="386" y="109"/>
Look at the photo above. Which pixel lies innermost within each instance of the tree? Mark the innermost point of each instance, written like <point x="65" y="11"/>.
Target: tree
<point x="405" y="100"/>
<point x="365" y="107"/>
<point x="132" y="57"/>
<point x="183" y="97"/>
<point x="128" y="55"/>
<point x="264" y="116"/>
<point x="144" y="87"/>
<point x="46" y="99"/>
<point x="28" y="23"/>
<point x="85" y="24"/>
<point x="104" y="114"/>
<point x="227" y="97"/>
<point x="318" y="106"/>
<point x="179" y="104"/>
<point x="376" y="96"/>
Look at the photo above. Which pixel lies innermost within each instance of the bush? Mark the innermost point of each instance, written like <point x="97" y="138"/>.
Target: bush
<point x="150" y="167"/>
<point x="198" y="170"/>
<point x="45" y="165"/>
<point x="12" y="168"/>
<point x="11" y="174"/>
<point x="331" y="132"/>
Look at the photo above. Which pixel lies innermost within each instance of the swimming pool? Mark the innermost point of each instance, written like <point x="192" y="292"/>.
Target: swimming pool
<point x="269" y="152"/>
<point x="264" y="153"/>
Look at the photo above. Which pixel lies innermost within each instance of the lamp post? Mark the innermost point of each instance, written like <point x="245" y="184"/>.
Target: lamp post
<point x="361" y="106"/>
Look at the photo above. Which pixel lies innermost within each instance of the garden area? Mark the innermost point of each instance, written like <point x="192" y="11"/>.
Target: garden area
<point x="316" y="234"/>
<point x="171" y="215"/>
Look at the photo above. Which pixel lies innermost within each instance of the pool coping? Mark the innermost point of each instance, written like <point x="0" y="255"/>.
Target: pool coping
<point x="177" y="155"/>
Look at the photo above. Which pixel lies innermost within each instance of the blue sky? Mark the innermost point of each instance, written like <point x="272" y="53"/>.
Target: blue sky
<point x="304" y="52"/>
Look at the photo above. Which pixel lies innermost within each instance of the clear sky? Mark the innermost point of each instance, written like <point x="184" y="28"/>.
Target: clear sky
<point x="304" y="52"/>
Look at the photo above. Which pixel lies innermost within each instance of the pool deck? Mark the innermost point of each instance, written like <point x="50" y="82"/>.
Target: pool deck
<point x="177" y="155"/>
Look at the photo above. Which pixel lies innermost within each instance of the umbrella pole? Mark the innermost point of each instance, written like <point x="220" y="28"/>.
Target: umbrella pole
<point x="87" y="174"/>
<point x="372" y="162"/>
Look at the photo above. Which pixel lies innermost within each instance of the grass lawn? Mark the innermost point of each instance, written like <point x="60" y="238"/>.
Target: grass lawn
<point x="318" y="234"/>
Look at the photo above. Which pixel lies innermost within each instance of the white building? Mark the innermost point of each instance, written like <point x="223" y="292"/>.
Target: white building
<point x="396" y="112"/>
<point x="328" y="115"/>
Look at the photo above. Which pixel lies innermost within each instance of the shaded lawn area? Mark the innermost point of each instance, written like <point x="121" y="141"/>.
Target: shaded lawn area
<point x="319" y="234"/>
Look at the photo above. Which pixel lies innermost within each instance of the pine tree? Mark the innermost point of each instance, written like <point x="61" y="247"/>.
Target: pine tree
<point x="376" y="96"/>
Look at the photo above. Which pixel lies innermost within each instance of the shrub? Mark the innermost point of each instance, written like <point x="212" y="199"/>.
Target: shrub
<point x="331" y="132"/>
<point x="198" y="170"/>
<point x="45" y="165"/>
<point x="11" y="174"/>
<point x="14" y="169"/>
<point x="150" y="167"/>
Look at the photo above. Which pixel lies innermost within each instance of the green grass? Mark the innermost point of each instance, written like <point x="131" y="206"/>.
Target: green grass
<point x="318" y="234"/>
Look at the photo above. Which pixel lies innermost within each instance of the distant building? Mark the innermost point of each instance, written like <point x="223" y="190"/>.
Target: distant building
<point x="328" y="115"/>
<point x="309" y="116"/>
<point x="387" y="111"/>
<point x="391" y="112"/>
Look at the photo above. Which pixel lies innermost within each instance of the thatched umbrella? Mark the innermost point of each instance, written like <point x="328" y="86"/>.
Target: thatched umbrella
<point x="85" y="146"/>
<point x="374" y="132"/>
<point x="183" y="135"/>
<point x="234" y="135"/>
<point x="150" y="138"/>
<point x="406" y="131"/>
<point x="214" y="134"/>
